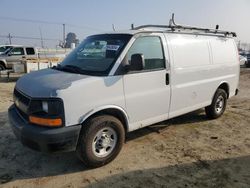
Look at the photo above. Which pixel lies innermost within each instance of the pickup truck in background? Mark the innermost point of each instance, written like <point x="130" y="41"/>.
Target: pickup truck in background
<point x="16" y="54"/>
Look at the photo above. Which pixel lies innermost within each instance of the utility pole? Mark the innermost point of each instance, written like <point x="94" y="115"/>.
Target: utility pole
<point x="41" y="35"/>
<point x="64" y="35"/>
<point x="9" y="36"/>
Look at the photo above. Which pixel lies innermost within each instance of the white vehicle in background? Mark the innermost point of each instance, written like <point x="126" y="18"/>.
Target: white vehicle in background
<point x="114" y="83"/>
<point x="243" y="60"/>
<point x="15" y="54"/>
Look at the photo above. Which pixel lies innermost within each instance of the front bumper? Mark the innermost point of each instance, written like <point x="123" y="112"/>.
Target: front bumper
<point x="43" y="139"/>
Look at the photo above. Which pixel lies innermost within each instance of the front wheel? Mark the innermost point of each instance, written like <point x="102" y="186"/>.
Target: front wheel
<point x="2" y="67"/>
<point x="101" y="140"/>
<point x="218" y="106"/>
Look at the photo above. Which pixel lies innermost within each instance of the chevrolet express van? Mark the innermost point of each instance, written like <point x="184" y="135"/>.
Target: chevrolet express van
<point x="118" y="82"/>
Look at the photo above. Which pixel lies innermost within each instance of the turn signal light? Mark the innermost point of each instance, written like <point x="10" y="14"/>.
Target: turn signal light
<point x="46" y="122"/>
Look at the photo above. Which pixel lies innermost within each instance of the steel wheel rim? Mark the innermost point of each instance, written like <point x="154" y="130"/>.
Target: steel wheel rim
<point x="219" y="105"/>
<point x="104" y="142"/>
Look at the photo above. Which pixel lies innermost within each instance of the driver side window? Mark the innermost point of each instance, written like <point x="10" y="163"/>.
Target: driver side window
<point x="151" y="48"/>
<point x="17" y="51"/>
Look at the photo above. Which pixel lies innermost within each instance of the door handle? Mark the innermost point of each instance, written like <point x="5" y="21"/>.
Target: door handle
<point x="167" y="78"/>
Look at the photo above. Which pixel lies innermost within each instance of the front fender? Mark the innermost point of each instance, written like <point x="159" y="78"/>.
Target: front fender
<point x="106" y="107"/>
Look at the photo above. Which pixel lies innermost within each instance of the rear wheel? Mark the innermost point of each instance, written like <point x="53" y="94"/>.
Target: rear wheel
<point x="101" y="140"/>
<point x="218" y="106"/>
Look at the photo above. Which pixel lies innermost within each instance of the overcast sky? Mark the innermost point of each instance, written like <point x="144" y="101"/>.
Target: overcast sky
<point x="85" y="17"/>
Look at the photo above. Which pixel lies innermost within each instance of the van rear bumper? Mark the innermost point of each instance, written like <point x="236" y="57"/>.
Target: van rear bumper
<point x="43" y="139"/>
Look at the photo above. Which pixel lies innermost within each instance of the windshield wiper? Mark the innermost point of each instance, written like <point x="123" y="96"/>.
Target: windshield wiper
<point x="69" y="68"/>
<point x="76" y="69"/>
<point x="73" y="68"/>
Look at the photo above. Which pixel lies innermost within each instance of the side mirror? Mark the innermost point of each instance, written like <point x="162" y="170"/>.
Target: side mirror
<point x="137" y="62"/>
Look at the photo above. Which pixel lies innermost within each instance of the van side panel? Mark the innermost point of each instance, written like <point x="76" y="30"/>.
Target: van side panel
<point x="194" y="75"/>
<point x="225" y="60"/>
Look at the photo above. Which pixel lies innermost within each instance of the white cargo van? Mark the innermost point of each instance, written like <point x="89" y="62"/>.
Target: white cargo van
<point x="118" y="82"/>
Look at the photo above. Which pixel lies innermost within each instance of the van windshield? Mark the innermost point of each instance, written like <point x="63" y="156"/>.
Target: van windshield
<point x="96" y="55"/>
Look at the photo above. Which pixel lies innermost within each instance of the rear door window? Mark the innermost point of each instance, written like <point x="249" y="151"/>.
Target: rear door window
<point x="30" y="51"/>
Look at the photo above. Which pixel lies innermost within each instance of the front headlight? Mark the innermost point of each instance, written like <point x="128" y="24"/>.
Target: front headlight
<point x="47" y="112"/>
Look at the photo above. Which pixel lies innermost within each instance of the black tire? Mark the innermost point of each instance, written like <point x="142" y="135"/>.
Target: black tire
<point x="2" y="67"/>
<point x="218" y="106"/>
<point x="89" y="135"/>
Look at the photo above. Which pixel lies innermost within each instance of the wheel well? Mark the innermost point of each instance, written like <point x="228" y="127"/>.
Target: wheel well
<point x="225" y="87"/>
<point x="113" y="112"/>
<point x="2" y="63"/>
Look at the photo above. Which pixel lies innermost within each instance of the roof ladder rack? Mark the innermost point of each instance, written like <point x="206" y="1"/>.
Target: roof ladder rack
<point x="173" y="26"/>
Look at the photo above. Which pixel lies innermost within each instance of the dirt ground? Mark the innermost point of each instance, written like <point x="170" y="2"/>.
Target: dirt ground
<point x="188" y="151"/>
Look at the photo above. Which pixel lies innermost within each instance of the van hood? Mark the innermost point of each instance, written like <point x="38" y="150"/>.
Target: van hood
<point x="45" y="83"/>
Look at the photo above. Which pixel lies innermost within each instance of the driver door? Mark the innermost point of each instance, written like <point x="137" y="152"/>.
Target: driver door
<point x="147" y="92"/>
<point x="15" y="56"/>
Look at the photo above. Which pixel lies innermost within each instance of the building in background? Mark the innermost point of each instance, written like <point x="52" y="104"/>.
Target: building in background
<point x="71" y="39"/>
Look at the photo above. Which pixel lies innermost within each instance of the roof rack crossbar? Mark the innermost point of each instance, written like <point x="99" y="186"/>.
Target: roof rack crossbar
<point x="173" y="26"/>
